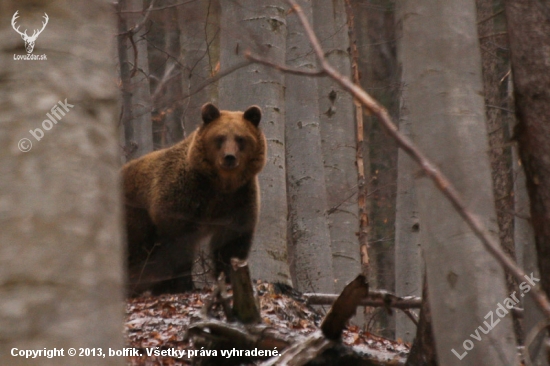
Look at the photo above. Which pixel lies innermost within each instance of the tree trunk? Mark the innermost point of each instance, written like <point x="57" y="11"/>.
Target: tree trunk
<point x="307" y="203"/>
<point x="375" y="27"/>
<point x="61" y="257"/>
<point x="408" y="255"/>
<point x="529" y="28"/>
<point x="200" y="42"/>
<point x="525" y="246"/>
<point x="171" y="112"/>
<point x="359" y="57"/>
<point x="442" y="75"/>
<point x="495" y="68"/>
<point x="529" y="36"/>
<point x="261" y="28"/>
<point x="134" y="71"/>
<point x="526" y="251"/>
<point x="337" y="126"/>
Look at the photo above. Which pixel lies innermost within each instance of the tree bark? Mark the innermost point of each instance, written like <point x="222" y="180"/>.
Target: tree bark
<point x="261" y="28"/>
<point x="307" y="203"/>
<point x="61" y="257"/>
<point x="443" y="88"/>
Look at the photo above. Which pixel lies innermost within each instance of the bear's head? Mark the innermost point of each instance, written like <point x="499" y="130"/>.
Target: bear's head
<point x="229" y="145"/>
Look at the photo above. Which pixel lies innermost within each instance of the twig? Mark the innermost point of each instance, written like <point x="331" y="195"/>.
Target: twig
<point x="157" y="9"/>
<point x="490" y="17"/>
<point x="493" y="35"/>
<point x="429" y="168"/>
<point x="411" y="316"/>
<point x="287" y="69"/>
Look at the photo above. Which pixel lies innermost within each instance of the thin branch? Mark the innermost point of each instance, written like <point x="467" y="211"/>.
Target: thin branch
<point x="501" y="108"/>
<point x="411" y="316"/>
<point x="490" y="17"/>
<point x="429" y="168"/>
<point x="287" y="69"/>
<point x="157" y="9"/>
<point x="494" y="35"/>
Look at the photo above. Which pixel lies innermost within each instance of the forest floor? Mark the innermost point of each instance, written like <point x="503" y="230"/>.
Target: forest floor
<point x="156" y="323"/>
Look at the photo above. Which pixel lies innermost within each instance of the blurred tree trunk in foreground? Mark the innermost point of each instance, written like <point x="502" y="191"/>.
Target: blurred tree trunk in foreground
<point x="442" y="78"/>
<point x="61" y="259"/>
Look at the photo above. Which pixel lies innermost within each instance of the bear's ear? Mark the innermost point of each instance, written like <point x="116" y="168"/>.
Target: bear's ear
<point x="209" y="113"/>
<point x="253" y="114"/>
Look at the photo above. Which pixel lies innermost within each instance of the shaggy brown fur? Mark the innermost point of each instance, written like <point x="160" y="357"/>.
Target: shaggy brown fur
<point x="203" y="187"/>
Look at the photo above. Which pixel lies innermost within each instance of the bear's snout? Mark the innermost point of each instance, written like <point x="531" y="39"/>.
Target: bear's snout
<point x="230" y="161"/>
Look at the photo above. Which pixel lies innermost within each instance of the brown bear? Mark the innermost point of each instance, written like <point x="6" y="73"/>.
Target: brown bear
<point x="204" y="187"/>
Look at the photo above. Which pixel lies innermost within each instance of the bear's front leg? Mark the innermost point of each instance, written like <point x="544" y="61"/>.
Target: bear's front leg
<point x="229" y="243"/>
<point x="175" y="256"/>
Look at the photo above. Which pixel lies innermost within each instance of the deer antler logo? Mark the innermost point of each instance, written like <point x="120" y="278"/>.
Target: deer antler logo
<point x="29" y="40"/>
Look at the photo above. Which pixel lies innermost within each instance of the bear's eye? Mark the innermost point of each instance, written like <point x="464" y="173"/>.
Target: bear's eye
<point x="219" y="140"/>
<point x="240" y="141"/>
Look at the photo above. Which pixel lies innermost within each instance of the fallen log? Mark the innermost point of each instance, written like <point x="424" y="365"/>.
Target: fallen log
<point x="375" y="298"/>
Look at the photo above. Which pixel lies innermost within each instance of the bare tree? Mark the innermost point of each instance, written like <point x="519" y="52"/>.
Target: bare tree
<point x="337" y="126"/>
<point x="60" y="222"/>
<point x="442" y="74"/>
<point x="375" y="30"/>
<point x="307" y="202"/>
<point x="408" y="254"/>
<point x="134" y="72"/>
<point x="200" y="41"/>
<point x="166" y="78"/>
<point x="260" y="27"/>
